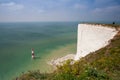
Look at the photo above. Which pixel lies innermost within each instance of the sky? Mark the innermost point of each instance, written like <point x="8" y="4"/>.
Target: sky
<point x="59" y="10"/>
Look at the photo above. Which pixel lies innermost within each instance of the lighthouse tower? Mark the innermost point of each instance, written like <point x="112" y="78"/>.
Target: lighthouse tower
<point x="33" y="55"/>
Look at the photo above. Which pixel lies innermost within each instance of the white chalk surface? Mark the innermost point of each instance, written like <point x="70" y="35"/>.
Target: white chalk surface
<point x="92" y="38"/>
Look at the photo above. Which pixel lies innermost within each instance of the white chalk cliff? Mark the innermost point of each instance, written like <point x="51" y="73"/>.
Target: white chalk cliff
<point x="92" y="38"/>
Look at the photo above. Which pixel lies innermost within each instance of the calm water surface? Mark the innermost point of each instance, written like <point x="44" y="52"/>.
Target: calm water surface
<point x="17" y="39"/>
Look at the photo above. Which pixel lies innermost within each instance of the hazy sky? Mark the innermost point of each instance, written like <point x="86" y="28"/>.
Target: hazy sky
<point x="59" y="10"/>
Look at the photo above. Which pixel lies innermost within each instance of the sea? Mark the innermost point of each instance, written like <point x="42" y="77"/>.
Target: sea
<point x="50" y="40"/>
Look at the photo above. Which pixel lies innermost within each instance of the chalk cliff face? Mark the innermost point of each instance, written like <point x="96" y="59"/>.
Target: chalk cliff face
<point x="91" y="38"/>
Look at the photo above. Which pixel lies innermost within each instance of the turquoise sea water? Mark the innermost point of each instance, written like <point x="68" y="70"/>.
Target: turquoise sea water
<point x="17" y="39"/>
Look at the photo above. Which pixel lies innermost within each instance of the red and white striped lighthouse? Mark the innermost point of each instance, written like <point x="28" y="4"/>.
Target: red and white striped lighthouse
<point x="33" y="55"/>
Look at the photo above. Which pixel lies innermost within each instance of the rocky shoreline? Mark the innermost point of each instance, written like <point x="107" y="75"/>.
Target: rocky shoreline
<point x="60" y="61"/>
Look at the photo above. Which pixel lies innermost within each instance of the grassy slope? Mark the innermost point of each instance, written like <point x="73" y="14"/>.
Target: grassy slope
<point x="103" y="64"/>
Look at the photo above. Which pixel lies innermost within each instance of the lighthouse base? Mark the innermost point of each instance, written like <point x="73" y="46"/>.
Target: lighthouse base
<point x="33" y="57"/>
